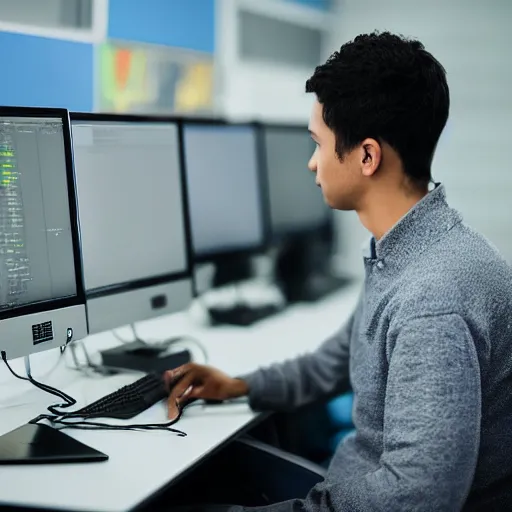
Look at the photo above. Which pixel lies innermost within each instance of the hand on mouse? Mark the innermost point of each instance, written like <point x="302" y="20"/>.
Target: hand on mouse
<point x="197" y="381"/>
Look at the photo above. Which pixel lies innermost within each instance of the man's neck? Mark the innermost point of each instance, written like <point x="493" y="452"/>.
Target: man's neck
<point x="384" y="209"/>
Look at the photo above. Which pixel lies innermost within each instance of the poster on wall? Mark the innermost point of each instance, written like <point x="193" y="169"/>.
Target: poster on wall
<point x="150" y="79"/>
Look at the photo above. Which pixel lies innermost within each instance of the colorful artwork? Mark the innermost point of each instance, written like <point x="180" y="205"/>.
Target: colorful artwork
<point x="153" y="79"/>
<point x="123" y="79"/>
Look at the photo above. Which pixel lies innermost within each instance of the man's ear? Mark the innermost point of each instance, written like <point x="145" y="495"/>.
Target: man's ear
<point x="371" y="156"/>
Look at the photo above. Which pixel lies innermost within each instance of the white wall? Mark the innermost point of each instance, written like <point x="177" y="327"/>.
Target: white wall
<point x="262" y="90"/>
<point x="54" y="19"/>
<point x="473" y="40"/>
<point x="32" y="12"/>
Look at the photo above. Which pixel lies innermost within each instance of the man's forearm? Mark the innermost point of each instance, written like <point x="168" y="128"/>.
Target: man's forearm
<point x="305" y="379"/>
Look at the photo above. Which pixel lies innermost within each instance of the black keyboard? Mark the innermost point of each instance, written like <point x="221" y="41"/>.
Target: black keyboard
<point x="127" y="401"/>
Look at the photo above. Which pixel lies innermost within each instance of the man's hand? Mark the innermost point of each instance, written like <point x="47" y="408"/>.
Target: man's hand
<point x="198" y="381"/>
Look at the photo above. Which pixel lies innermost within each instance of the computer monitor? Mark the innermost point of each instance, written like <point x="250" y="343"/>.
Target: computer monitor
<point x="301" y="223"/>
<point x="296" y="204"/>
<point x="225" y="194"/>
<point x="133" y="218"/>
<point x="42" y="303"/>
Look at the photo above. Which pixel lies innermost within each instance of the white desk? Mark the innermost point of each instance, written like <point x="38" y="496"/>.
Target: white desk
<point x="142" y="463"/>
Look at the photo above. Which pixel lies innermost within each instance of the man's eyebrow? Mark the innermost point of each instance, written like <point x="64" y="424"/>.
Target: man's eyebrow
<point x="312" y="133"/>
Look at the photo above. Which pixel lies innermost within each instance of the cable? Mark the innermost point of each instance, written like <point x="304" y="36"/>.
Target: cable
<point x="69" y="400"/>
<point x="79" y="367"/>
<point x="44" y="387"/>
<point x="119" y="338"/>
<point x="59" y="417"/>
<point x="61" y="357"/>
<point x="239" y="296"/>
<point x="89" y="366"/>
<point x="69" y="337"/>
<point x="186" y="340"/>
<point x="94" y="425"/>
<point x="58" y="362"/>
<point x="135" y="336"/>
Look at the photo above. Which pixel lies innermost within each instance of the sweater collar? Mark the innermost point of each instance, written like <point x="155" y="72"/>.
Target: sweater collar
<point x="419" y="228"/>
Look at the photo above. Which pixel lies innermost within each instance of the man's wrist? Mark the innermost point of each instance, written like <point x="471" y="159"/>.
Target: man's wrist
<point x="240" y="388"/>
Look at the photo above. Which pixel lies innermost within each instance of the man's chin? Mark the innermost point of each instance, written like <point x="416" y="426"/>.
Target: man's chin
<point x="328" y="199"/>
<point x="341" y="204"/>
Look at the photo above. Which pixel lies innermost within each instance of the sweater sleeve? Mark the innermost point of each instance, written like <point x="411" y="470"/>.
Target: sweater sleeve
<point x="305" y="379"/>
<point x="431" y="428"/>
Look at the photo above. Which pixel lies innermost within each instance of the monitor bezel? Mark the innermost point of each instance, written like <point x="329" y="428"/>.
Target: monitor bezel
<point x="79" y="297"/>
<point x="261" y="247"/>
<point x="277" y="237"/>
<point x="146" y="282"/>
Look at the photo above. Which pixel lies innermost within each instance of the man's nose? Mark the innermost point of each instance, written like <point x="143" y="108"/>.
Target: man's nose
<point x="312" y="164"/>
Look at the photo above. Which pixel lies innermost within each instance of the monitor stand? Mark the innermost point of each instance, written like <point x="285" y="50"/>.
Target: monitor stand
<point x="42" y="444"/>
<point x="302" y="270"/>
<point x="232" y="269"/>
<point x="228" y="271"/>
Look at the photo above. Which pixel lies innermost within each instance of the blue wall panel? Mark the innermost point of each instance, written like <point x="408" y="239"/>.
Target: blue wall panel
<point x="46" y="72"/>
<point x="182" y="23"/>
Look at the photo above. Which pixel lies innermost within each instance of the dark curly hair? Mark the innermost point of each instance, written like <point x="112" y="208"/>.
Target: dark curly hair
<point x="389" y="88"/>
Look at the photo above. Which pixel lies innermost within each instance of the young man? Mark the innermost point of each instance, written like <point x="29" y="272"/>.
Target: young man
<point x="428" y="350"/>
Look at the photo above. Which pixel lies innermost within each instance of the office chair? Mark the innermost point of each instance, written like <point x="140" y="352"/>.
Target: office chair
<point x="281" y="475"/>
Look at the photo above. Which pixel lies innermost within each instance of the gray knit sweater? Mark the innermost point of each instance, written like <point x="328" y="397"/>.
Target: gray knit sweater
<point x="428" y="354"/>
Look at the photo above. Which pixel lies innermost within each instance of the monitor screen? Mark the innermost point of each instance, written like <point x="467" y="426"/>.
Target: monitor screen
<point x="296" y="203"/>
<point x="42" y="303"/>
<point x="36" y="243"/>
<point x="130" y="202"/>
<point x="223" y="187"/>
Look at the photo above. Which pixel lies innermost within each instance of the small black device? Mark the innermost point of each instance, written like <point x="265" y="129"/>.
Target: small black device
<point x="41" y="444"/>
<point x="241" y="314"/>
<point x="143" y="357"/>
